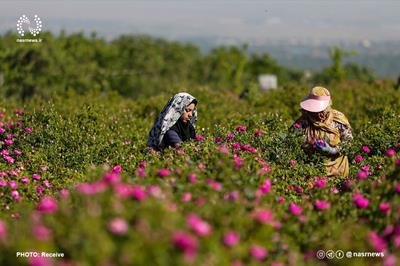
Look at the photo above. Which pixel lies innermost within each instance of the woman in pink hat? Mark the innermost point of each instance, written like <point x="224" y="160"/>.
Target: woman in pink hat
<point x="326" y="130"/>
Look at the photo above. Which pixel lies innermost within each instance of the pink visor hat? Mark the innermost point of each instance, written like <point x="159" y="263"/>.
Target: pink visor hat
<point x="314" y="103"/>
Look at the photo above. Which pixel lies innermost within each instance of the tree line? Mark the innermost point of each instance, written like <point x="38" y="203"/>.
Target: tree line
<point x="140" y="65"/>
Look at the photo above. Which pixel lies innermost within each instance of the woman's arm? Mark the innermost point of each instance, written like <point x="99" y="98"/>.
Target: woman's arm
<point x="299" y="123"/>
<point x="171" y="138"/>
<point x="346" y="137"/>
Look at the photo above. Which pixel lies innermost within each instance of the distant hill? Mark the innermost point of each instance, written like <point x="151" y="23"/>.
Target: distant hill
<point x="382" y="57"/>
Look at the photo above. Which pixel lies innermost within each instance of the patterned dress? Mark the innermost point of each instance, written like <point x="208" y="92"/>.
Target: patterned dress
<point x="346" y="134"/>
<point x="338" y="134"/>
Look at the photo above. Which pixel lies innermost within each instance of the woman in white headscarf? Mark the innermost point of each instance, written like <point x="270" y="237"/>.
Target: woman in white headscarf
<point x="175" y="123"/>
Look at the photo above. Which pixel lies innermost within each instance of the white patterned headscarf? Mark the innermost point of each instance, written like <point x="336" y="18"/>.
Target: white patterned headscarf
<point x="169" y="116"/>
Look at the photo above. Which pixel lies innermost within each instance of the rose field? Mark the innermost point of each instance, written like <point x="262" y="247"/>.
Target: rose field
<point x="76" y="183"/>
<point x="74" y="180"/>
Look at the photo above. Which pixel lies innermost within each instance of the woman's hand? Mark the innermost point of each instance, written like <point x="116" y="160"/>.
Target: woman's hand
<point x="322" y="146"/>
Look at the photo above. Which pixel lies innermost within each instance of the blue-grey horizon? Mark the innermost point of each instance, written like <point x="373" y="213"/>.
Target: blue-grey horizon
<point x="253" y="22"/>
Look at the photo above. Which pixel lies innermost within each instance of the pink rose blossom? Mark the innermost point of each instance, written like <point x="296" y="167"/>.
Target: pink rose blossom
<point x="19" y="112"/>
<point x="143" y="164"/>
<point x="186" y="242"/>
<point x="39" y="189"/>
<point x="365" y="168"/>
<point x="241" y="128"/>
<point x="236" y="146"/>
<point x="47" y="205"/>
<point x="42" y="261"/>
<point x="9" y="159"/>
<point x="155" y="191"/>
<point x="298" y="189"/>
<point x="377" y="242"/>
<point x="36" y="176"/>
<point x="297" y="125"/>
<point x="258" y="133"/>
<point x="280" y="200"/>
<point x="266" y="186"/>
<point x="8" y="142"/>
<point x="231" y="238"/>
<point x="118" y="226"/>
<point x="180" y="152"/>
<point x="64" y="193"/>
<point x="295" y="209"/>
<point x="123" y="190"/>
<point x="13" y="185"/>
<point x="141" y="172"/>
<point x="199" y="138"/>
<point x="362" y="175"/>
<point x="192" y="178"/>
<point x="186" y="197"/>
<point x="200" y="201"/>
<point x="238" y="162"/>
<point x="14" y="173"/>
<point x="366" y="149"/>
<point x="358" y="158"/>
<point x="390" y="260"/>
<point x="384" y="207"/>
<point x="163" y="172"/>
<point x="111" y="177"/>
<point x="223" y="149"/>
<point x="360" y="201"/>
<point x="232" y="196"/>
<point x="41" y="232"/>
<point x="390" y="152"/>
<point x="214" y="184"/>
<point x="47" y="184"/>
<point x="322" y="204"/>
<point x="138" y="193"/>
<point x="15" y="195"/>
<point x="333" y="190"/>
<point x="3" y="229"/>
<point x="258" y="252"/>
<point x="199" y="226"/>
<point x="229" y="136"/>
<point x="201" y="166"/>
<point x="85" y="188"/>
<point x="263" y="216"/>
<point x="117" y="169"/>
<point x="320" y="182"/>
<point x="264" y="170"/>
<point x="218" y="140"/>
<point x="248" y="148"/>
<point x="347" y="185"/>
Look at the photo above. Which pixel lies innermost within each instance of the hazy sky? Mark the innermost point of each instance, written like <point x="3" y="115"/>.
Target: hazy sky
<point x="255" y="21"/>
